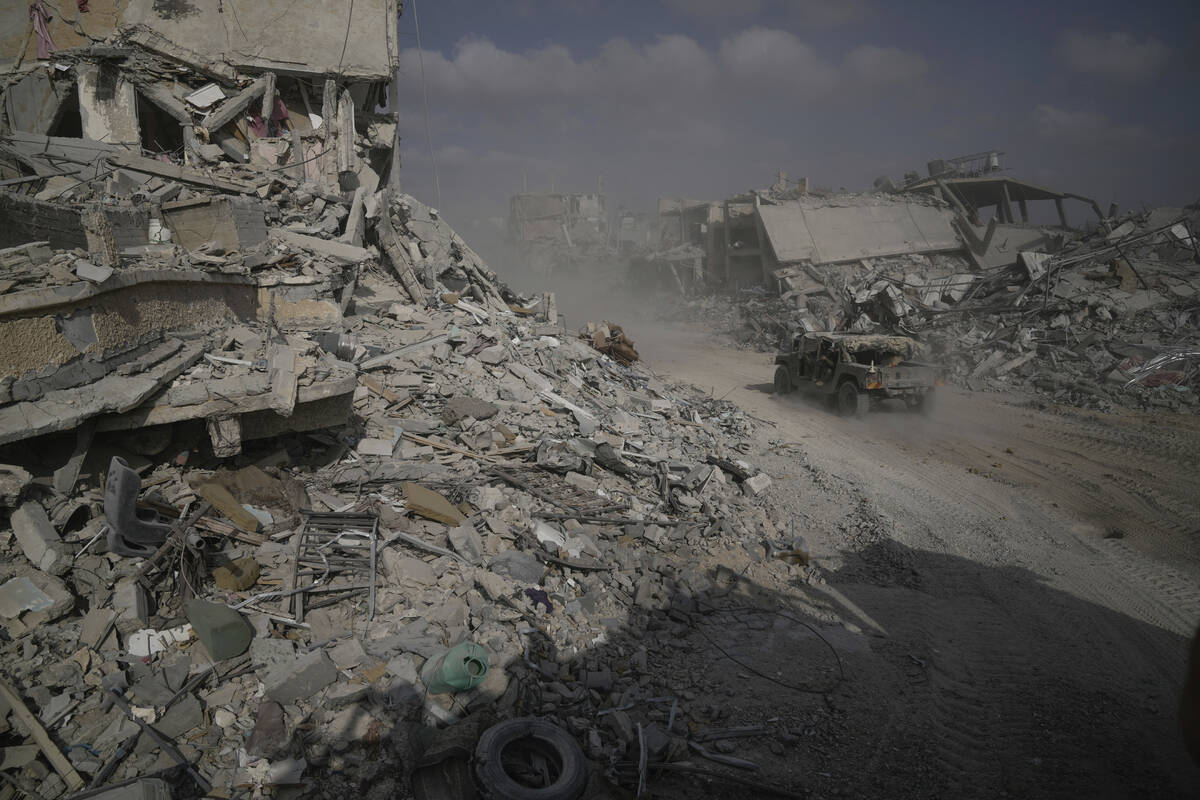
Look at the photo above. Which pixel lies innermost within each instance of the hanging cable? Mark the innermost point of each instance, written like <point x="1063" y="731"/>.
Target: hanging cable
<point x="437" y="186"/>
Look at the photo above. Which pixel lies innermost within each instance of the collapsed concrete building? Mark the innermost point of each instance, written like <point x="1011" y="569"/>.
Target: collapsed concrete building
<point x="988" y="271"/>
<point x="144" y="154"/>
<point x="561" y="231"/>
<point x="275" y="442"/>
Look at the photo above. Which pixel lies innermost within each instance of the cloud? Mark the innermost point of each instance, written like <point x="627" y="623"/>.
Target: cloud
<point x="1117" y="56"/>
<point x="670" y="74"/>
<point x="885" y="66"/>
<point x="819" y="13"/>
<point x="670" y="114"/>
<point x="777" y="59"/>
<point x="710" y="9"/>
<point x="1087" y="127"/>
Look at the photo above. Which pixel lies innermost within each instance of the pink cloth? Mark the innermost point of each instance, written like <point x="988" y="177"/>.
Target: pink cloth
<point x="82" y="4"/>
<point x="278" y="114"/>
<point x="41" y="19"/>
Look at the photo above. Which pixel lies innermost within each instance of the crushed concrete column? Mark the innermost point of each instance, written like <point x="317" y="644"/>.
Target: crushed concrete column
<point x="107" y="106"/>
<point x="281" y="367"/>
<point x="225" y="433"/>
<point x="39" y="541"/>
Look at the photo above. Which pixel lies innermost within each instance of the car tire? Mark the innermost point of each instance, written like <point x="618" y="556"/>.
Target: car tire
<point x="921" y="404"/>
<point x="550" y="742"/>
<point x="851" y="402"/>
<point x="783" y="381"/>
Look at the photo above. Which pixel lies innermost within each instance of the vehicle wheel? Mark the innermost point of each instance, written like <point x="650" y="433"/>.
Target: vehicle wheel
<point x="783" y="381"/>
<point x="530" y="759"/>
<point x="852" y="402"/>
<point x="921" y="404"/>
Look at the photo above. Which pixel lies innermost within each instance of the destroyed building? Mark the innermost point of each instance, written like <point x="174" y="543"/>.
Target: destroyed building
<point x="296" y="496"/>
<point x="562" y="231"/>
<point x="1008" y="295"/>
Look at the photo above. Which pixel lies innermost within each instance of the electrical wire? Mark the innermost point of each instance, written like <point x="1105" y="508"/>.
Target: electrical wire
<point x="437" y="186"/>
<point x="346" y="39"/>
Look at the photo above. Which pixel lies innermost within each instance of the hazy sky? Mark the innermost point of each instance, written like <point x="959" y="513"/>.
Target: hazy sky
<point x="705" y="98"/>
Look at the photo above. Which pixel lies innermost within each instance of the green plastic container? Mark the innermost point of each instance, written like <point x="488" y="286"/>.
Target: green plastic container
<point x="461" y="667"/>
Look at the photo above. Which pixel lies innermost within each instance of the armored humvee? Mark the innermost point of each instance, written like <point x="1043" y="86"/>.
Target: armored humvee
<point x="852" y="369"/>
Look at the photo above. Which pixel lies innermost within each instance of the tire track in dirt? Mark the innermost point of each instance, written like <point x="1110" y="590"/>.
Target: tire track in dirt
<point x="1053" y="656"/>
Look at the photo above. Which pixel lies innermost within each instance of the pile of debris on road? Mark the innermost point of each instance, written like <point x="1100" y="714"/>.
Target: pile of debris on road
<point x="290" y="478"/>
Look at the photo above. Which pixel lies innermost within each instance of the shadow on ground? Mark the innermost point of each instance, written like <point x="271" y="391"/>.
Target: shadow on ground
<point x="905" y="674"/>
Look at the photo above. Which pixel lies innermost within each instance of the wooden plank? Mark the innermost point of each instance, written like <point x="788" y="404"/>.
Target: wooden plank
<point x="378" y="388"/>
<point x="49" y="749"/>
<point x="224" y="502"/>
<point x="412" y="437"/>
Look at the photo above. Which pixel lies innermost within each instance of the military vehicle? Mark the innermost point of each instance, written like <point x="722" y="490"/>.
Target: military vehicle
<point x="853" y="370"/>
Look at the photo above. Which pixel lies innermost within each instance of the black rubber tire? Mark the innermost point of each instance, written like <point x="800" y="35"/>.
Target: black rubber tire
<point x="554" y="743"/>
<point x="925" y="404"/>
<point x="783" y="380"/>
<point x="851" y="402"/>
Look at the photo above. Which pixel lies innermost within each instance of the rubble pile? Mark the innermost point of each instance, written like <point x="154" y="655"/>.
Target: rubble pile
<point x="1108" y="319"/>
<point x="521" y="491"/>
<point x="291" y="482"/>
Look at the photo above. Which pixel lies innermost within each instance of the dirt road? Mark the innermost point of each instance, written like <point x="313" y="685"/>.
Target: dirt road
<point x="1025" y="581"/>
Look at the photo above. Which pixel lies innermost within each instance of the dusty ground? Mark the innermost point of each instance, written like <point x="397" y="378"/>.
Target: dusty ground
<point x="1009" y="590"/>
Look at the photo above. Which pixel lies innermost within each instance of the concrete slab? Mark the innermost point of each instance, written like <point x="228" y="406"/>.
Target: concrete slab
<point x="834" y="234"/>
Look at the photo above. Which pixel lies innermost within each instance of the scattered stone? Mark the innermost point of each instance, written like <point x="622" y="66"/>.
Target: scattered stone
<point x="406" y="568"/>
<point x="462" y="406"/>
<point x="224" y="632"/>
<point x="236" y="576"/>
<point x="13" y="480"/>
<point x="466" y="542"/>
<point x="518" y="566"/>
<point x="270" y="737"/>
<point x="300" y="679"/>
<point x="347" y="654"/>
<point x="39" y="541"/>
<point x="757" y="484"/>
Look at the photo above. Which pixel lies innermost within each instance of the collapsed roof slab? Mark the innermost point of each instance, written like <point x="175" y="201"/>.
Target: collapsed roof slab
<point x="298" y="37"/>
<point x="971" y="194"/>
<point x="836" y="234"/>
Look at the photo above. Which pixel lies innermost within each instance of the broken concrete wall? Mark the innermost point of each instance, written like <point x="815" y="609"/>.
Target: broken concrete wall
<point x="33" y="103"/>
<point x="284" y="36"/>
<point x="28" y="220"/>
<point x="42" y="333"/>
<point x="231" y="222"/>
<point x="100" y="230"/>
<point x="294" y="308"/>
<point x="107" y="105"/>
